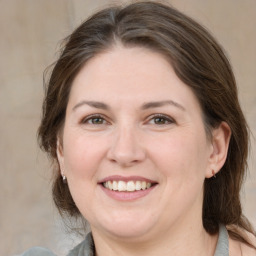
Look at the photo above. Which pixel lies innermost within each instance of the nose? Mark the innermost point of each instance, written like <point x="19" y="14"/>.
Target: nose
<point x="126" y="147"/>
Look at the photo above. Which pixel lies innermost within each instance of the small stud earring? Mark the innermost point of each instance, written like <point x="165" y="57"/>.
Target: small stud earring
<point x="213" y="174"/>
<point x="64" y="178"/>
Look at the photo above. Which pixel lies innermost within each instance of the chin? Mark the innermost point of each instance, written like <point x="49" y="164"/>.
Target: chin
<point x="128" y="232"/>
<point x="127" y="228"/>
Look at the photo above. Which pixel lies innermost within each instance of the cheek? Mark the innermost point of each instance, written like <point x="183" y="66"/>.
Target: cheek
<point x="81" y="159"/>
<point x="82" y="155"/>
<point x="181" y="160"/>
<point x="180" y="157"/>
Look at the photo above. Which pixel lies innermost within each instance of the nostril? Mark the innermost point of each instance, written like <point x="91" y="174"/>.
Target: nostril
<point x="126" y="157"/>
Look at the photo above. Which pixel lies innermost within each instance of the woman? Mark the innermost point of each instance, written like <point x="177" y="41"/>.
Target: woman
<point x="142" y="118"/>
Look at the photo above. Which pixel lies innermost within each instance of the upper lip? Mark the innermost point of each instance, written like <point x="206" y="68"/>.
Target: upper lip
<point x="126" y="179"/>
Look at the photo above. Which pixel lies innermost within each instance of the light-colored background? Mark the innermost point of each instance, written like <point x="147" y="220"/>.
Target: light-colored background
<point x="30" y="31"/>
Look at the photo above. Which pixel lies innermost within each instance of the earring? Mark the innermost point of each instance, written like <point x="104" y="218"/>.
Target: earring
<point x="213" y="174"/>
<point x="64" y="178"/>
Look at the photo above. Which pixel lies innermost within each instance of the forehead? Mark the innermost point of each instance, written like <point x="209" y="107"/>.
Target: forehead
<point x="134" y="74"/>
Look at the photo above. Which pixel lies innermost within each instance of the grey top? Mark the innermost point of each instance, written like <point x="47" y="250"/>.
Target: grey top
<point x="222" y="248"/>
<point x="86" y="248"/>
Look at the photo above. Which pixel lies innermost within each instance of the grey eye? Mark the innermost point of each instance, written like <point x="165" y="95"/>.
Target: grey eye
<point x="161" y="120"/>
<point x="96" y="120"/>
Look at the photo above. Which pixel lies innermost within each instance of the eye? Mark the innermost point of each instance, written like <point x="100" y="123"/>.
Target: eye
<point x="94" y="120"/>
<point x="160" y="119"/>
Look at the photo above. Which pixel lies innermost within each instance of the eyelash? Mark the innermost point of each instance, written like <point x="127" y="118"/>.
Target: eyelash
<point x="91" y="117"/>
<point x="168" y="119"/>
<point x="165" y="118"/>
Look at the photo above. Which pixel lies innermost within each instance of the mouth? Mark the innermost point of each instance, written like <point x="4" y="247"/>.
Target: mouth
<point x="129" y="186"/>
<point x="118" y="183"/>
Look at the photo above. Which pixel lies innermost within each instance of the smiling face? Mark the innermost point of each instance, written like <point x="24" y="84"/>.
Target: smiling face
<point x="134" y="148"/>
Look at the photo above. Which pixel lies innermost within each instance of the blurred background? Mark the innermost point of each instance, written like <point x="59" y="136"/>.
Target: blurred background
<point x="30" y="32"/>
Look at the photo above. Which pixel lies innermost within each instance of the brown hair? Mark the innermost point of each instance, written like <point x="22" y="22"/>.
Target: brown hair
<point x="198" y="60"/>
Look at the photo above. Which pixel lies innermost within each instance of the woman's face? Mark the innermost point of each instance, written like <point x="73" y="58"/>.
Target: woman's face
<point x="134" y="148"/>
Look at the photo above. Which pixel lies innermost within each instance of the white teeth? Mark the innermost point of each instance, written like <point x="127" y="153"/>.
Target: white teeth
<point x="130" y="186"/>
<point x="121" y="186"/>
<point x="110" y="186"/>
<point x="138" y="185"/>
<point x="115" y="186"/>
<point x="143" y="185"/>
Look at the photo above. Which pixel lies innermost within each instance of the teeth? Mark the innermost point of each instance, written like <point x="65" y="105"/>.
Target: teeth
<point x="130" y="186"/>
<point x="121" y="186"/>
<point x="115" y="186"/>
<point x="143" y="185"/>
<point x="138" y="185"/>
<point x="110" y="185"/>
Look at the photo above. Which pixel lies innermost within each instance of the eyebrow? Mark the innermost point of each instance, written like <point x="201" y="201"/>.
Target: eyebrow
<point x="157" y="104"/>
<point x="94" y="104"/>
<point x="148" y="105"/>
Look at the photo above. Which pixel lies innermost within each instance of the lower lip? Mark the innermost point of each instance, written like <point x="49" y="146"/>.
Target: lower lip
<point x="127" y="196"/>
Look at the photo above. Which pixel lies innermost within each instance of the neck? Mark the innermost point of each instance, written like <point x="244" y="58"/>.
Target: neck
<point x="187" y="240"/>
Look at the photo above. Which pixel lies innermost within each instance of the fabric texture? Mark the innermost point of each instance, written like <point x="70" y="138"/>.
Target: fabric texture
<point x="222" y="248"/>
<point x="86" y="248"/>
<point x="38" y="251"/>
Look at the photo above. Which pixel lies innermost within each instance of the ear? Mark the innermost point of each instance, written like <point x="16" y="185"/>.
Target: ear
<point x="220" y="143"/>
<point x="60" y="156"/>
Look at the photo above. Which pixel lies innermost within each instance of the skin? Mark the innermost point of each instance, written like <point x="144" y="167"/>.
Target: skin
<point x="127" y="140"/>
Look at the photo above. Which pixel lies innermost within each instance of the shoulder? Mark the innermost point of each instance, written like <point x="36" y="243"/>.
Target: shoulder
<point x="38" y="251"/>
<point x="247" y="250"/>
<point x="238" y="248"/>
<point x="85" y="248"/>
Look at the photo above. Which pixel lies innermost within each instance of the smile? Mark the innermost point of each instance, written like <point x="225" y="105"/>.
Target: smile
<point x="129" y="186"/>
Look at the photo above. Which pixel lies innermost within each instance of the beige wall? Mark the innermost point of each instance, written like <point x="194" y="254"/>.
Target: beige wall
<point x="30" y="31"/>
